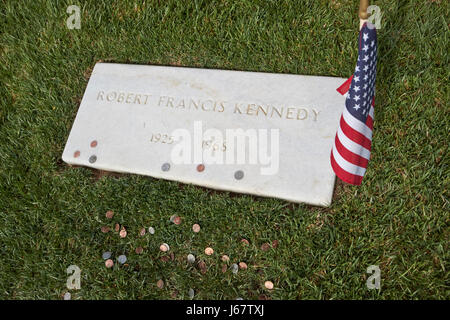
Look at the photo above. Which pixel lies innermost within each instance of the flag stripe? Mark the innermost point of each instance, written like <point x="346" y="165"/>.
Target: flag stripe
<point x="352" y="146"/>
<point x="344" y="175"/>
<point x="355" y="135"/>
<point x="347" y="166"/>
<point x="350" y="156"/>
<point x="357" y="124"/>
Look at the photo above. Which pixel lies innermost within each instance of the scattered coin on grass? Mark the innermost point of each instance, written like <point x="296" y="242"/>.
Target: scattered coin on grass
<point x="117" y="227"/>
<point x="268" y="285"/>
<point x="177" y="220"/>
<point x="139" y="250"/>
<point x="209" y="251"/>
<point x="265" y="246"/>
<point x="151" y="230"/>
<point x="123" y="233"/>
<point x="172" y="217"/>
<point x="67" y="296"/>
<point x="191" y="293"/>
<point x="122" y="259"/>
<point x="202" y="266"/>
<point x="242" y="266"/>
<point x="224" y="268"/>
<point x="274" y="244"/>
<point x="109" y="263"/>
<point x="191" y="258"/>
<point x="160" y="284"/>
<point x="225" y="258"/>
<point x="196" y="228"/>
<point x="234" y="268"/>
<point x="245" y="241"/>
<point x="105" y="229"/>
<point x="109" y="214"/>
<point x="106" y="255"/>
<point x="164" y="247"/>
<point x="142" y="232"/>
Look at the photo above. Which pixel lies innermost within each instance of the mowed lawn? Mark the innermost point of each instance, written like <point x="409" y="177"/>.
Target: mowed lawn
<point x="51" y="214"/>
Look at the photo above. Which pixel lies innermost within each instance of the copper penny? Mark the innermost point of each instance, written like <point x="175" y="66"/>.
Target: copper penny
<point x="209" y="251"/>
<point x="142" y="232"/>
<point x="224" y="268"/>
<point x="117" y="227"/>
<point x="123" y="233"/>
<point x="268" y="285"/>
<point x="225" y="258"/>
<point x="109" y="214"/>
<point x="177" y="220"/>
<point x="164" y="247"/>
<point x="196" y="228"/>
<point x="105" y="229"/>
<point x="160" y="284"/>
<point x="200" y="168"/>
<point x="245" y="241"/>
<point x="109" y="263"/>
<point x="93" y="143"/>
<point x="242" y="266"/>
<point x="139" y="250"/>
<point x="265" y="246"/>
<point x="76" y="154"/>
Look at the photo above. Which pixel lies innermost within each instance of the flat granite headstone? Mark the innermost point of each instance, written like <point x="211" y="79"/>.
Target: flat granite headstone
<point x="182" y="124"/>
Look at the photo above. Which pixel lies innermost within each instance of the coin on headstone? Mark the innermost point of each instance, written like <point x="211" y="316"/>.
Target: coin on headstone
<point x="139" y="250"/>
<point x="151" y="230"/>
<point x="209" y="251"/>
<point x="67" y="296"/>
<point x="190" y="258"/>
<point x="109" y="214"/>
<point x="122" y="259"/>
<point x="225" y="258"/>
<point x="191" y="293"/>
<point x="268" y="285"/>
<point x="177" y="220"/>
<point x="142" y="232"/>
<point x="196" y="228"/>
<point x="106" y="255"/>
<point x="160" y="284"/>
<point x="234" y="268"/>
<point x="105" y="229"/>
<point x="164" y="247"/>
<point x="123" y="233"/>
<point x="109" y="263"/>
<point x="242" y="265"/>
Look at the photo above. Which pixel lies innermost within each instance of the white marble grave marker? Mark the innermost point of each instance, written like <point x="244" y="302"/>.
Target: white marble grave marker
<point x="179" y="124"/>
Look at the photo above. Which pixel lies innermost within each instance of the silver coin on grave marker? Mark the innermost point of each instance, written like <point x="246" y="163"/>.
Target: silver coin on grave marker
<point x="234" y="268"/>
<point x="165" y="167"/>
<point x="67" y="296"/>
<point x="122" y="259"/>
<point x="191" y="258"/>
<point x="151" y="230"/>
<point x="191" y="293"/>
<point x="238" y="175"/>
<point x="92" y="158"/>
<point x="106" y="255"/>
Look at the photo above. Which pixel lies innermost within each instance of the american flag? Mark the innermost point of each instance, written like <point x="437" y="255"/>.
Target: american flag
<point x="351" y="150"/>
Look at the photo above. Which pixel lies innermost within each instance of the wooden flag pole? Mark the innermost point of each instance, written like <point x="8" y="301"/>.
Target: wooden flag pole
<point x="363" y="15"/>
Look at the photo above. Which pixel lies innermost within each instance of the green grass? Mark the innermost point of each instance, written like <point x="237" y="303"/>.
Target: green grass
<point x="51" y="214"/>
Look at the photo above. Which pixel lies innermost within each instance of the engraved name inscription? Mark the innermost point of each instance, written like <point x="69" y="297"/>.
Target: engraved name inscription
<point x="261" y="110"/>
